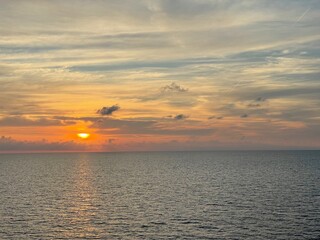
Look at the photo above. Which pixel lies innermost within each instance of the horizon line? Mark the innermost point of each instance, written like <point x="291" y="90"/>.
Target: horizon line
<point x="155" y="151"/>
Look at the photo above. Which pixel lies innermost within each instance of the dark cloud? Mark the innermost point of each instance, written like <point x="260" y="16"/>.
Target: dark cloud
<point x="111" y="140"/>
<point x="173" y="87"/>
<point x="244" y="115"/>
<point x="8" y="144"/>
<point x="215" y="117"/>
<point x="258" y="102"/>
<point x="108" y="110"/>
<point x="260" y="99"/>
<point x="180" y="117"/>
<point x="254" y="105"/>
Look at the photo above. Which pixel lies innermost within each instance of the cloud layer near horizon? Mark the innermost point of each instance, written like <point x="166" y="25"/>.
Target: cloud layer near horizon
<point x="230" y="70"/>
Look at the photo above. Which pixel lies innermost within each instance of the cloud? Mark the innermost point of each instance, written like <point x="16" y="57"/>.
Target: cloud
<point x="215" y="117"/>
<point x="124" y="125"/>
<point x="147" y="127"/>
<point x="20" y="121"/>
<point x="253" y="105"/>
<point x="111" y="140"/>
<point x="108" y="110"/>
<point x="257" y="102"/>
<point x="173" y="87"/>
<point x="85" y="119"/>
<point x="8" y="144"/>
<point x="147" y="52"/>
<point x="180" y="117"/>
<point x="244" y="115"/>
<point x="260" y="99"/>
<point x="301" y="91"/>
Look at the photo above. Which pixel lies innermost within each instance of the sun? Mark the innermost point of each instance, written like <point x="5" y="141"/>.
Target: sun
<point x="83" y="135"/>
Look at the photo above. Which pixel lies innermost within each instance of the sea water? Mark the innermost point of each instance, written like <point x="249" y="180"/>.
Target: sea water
<point x="161" y="195"/>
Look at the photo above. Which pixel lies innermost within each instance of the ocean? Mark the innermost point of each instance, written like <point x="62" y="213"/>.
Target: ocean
<point x="161" y="195"/>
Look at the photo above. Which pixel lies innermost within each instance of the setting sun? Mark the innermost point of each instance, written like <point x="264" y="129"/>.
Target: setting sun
<point x="83" y="135"/>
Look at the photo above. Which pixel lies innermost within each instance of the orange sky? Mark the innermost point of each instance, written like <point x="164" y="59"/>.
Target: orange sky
<point x="159" y="76"/>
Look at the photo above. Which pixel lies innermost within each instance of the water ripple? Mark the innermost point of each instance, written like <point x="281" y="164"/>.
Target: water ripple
<point x="217" y="195"/>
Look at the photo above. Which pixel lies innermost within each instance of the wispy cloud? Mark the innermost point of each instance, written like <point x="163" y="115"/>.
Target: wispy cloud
<point x="303" y="14"/>
<point x="19" y="121"/>
<point x="173" y="88"/>
<point x="222" y="59"/>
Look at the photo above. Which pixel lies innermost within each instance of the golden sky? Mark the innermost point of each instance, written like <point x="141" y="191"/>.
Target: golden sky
<point x="145" y="75"/>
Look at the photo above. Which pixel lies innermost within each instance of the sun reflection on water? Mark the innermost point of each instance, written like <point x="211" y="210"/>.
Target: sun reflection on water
<point x="82" y="209"/>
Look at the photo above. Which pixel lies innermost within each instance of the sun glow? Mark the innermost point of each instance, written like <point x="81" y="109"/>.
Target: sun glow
<point x="83" y="135"/>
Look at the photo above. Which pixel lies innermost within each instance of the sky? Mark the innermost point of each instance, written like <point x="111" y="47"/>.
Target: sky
<point x="156" y="75"/>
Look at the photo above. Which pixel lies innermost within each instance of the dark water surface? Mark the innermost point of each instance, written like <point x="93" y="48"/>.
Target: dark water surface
<point x="171" y="195"/>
